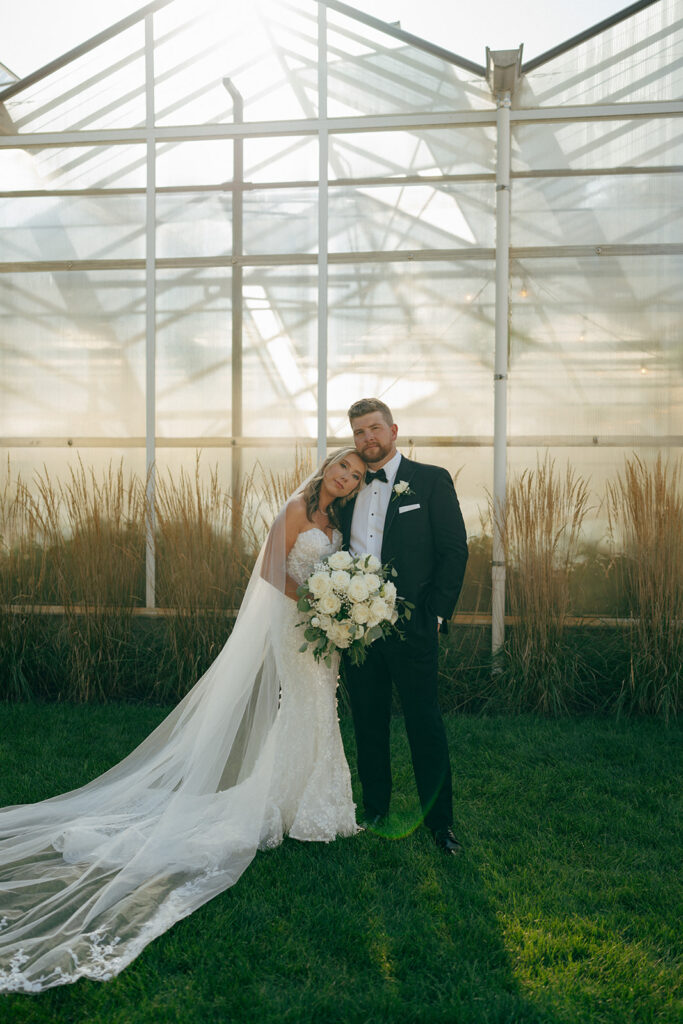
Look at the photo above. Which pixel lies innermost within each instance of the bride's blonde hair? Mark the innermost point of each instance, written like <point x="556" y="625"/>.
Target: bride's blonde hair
<point x="311" y="492"/>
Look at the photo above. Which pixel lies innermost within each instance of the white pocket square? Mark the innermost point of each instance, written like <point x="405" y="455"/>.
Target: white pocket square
<point x="408" y="508"/>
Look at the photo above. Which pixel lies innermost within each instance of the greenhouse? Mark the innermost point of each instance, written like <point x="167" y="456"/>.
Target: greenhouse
<point x="219" y="232"/>
<point x="308" y="713"/>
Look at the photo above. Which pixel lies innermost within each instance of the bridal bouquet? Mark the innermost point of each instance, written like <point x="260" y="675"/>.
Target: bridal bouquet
<point x="348" y="603"/>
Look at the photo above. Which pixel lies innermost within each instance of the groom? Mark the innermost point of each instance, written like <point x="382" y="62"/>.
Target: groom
<point x="407" y="515"/>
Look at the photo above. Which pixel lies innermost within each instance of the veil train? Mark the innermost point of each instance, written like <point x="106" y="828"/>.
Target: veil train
<point x="90" y="877"/>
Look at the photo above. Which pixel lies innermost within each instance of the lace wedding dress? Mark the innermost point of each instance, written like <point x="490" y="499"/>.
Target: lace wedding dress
<point x="253" y="753"/>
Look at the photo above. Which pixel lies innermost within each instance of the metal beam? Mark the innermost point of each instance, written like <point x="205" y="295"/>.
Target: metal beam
<point x="500" y="374"/>
<point x="323" y="211"/>
<point x="473" y="255"/>
<point x="415" y="440"/>
<point x="236" y="290"/>
<point x="150" y="320"/>
<point x="342" y="125"/>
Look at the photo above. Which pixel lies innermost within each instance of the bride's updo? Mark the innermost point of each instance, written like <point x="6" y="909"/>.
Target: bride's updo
<point x="311" y="492"/>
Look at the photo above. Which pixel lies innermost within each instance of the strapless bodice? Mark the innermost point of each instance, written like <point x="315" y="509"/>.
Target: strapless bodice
<point x="309" y="548"/>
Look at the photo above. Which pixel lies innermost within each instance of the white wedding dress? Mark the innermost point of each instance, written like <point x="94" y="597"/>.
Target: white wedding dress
<point x="253" y="753"/>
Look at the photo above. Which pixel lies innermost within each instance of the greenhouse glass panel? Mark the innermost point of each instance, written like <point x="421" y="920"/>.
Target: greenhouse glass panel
<point x="56" y="463"/>
<point x="281" y="159"/>
<point x="198" y="224"/>
<point x="193" y="355"/>
<point x="390" y="217"/>
<point x="104" y="88"/>
<point x="419" y="336"/>
<point x="596" y="349"/>
<point x="72" y="168"/>
<point x="72" y="227"/>
<point x="281" y="221"/>
<point x="200" y="162"/>
<point x="606" y="144"/>
<point x="268" y="50"/>
<point x="280" y="352"/>
<point x="590" y="210"/>
<point x="639" y="59"/>
<point x="372" y="73"/>
<point x="430" y="152"/>
<point x="72" y="352"/>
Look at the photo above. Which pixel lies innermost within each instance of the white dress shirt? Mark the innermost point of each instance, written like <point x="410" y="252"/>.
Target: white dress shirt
<point x="370" y="510"/>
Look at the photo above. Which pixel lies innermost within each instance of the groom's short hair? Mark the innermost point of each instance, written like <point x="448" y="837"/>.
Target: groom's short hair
<point x="365" y="405"/>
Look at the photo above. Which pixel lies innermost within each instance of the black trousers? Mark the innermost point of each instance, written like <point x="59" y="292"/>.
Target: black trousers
<point x="411" y="665"/>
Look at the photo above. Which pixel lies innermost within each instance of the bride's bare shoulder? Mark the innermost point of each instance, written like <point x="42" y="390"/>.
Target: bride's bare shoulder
<point x="296" y="519"/>
<point x="296" y="510"/>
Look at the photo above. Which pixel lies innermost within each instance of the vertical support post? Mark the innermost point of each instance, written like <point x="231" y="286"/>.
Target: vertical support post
<point x="323" y="146"/>
<point x="150" y="320"/>
<point x="237" y="282"/>
<point x="500" y="368"/>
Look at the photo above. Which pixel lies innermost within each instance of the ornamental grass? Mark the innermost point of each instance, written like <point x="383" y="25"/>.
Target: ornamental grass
<point x="541" y="529"/>
<point x="645" y="509"/>
<point x="92" y="531"/>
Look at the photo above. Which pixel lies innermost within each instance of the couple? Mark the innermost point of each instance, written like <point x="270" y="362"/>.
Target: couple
<point x="253" y="752"/>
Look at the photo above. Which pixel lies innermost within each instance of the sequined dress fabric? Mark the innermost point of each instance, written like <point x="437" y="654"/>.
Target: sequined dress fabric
<point x="311" y="797"/>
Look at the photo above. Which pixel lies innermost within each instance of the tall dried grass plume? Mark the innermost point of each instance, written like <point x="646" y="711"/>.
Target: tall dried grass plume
<point x="645" y="513"/>
<point x="541" y="529"/>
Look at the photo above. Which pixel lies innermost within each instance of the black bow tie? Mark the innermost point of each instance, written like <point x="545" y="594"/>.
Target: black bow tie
<point x="379" y="475"/>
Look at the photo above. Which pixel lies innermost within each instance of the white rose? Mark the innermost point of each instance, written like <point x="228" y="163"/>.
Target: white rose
<point x="340" y="580"/>
<point x="340" y="634"/>
<point x="369" y="563"/>
<point x="315" y="621"/>
<point x="329" y="604"/>
<point x="325" y="621"/>
<point x="379" y="611"/>
<point x="360" y="613"/>
<point x="358" y="589"/>
<point x="401" y="486"/>
<point x="388" y="592"/>
<point x="372" y="581"/>
<point x="340" y="560"/>
<point x="320" y="584"/>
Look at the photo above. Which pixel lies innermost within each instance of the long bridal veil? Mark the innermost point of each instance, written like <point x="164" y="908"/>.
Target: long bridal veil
<point x="88" y="878"/>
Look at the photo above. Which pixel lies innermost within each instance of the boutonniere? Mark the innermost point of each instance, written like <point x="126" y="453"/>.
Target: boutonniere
<point x="401" y="489"/>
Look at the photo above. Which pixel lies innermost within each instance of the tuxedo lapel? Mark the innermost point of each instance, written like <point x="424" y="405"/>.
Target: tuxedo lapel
<point x="405" y="471"/>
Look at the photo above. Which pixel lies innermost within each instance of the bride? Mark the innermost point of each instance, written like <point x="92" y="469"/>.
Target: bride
<point x="252" y="753"/>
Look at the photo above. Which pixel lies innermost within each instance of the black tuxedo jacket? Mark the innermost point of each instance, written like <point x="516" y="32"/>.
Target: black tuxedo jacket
<point x="424" y="540"/>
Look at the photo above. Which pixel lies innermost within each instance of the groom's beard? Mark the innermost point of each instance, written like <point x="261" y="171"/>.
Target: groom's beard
<point x="376" y="455"/>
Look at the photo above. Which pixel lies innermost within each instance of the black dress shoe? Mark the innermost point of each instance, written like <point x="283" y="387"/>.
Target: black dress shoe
<point x="446" y="841"/>
<point x="369" y="822"/>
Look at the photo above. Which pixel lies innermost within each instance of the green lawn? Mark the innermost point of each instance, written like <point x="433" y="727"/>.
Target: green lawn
<point x="565" y="906"/>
